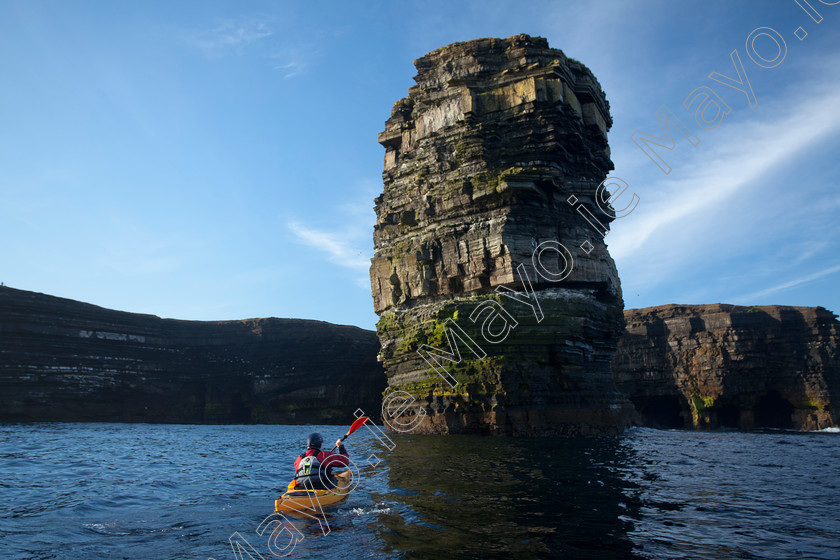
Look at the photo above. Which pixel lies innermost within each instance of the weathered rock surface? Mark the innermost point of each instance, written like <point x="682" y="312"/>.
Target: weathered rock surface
<point x="70" y="361"/>
<point x="481" y="158"/>
<point x="725" y="365"/>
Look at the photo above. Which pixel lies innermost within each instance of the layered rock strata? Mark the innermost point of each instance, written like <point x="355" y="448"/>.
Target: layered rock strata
<point x="69" y="361"/>
<point x="729" y="366"/>
<point x="483" y="159"/>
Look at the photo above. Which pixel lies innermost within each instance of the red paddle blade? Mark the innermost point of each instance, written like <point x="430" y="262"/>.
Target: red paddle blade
<point x="357" y="424"/>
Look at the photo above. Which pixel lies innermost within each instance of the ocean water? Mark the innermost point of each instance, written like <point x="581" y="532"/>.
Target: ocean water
<point x="143" y="491"/>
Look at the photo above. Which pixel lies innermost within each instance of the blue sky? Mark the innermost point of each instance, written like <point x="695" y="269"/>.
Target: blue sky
<point x="211" y="160"/>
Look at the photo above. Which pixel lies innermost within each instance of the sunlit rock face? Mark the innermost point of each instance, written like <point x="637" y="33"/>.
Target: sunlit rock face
<point x="729" y="366"/>
<point x="71" y="361"/>
<point x="481" y="160"/>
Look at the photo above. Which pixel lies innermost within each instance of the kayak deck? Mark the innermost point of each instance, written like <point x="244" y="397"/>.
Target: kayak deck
<point x="304" y="501"/>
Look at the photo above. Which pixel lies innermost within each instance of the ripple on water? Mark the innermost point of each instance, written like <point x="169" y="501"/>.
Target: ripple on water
<point x="150" y="491"/>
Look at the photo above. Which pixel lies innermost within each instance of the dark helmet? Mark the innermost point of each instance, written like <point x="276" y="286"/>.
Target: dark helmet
<point x="314" y="441"/>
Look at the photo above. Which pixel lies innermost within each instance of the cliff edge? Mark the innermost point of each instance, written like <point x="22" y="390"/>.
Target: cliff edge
<point x="730" y="366"/>
<point x="63" y="360"/>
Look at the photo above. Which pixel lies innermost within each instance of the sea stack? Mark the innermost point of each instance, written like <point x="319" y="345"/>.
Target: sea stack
<point x="500" y="307"/>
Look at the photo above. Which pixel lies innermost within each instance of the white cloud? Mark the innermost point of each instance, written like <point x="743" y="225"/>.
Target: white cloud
<point x="338" y="247"/>
<point x="350" y="243"/>
<point x="256" y="35"/>
<point x="232" y="34"/>
<point x="737" y="156"/>
<point x="809" y="250"/>
<point x="290" y="62"/>
<point x="787" y="285"/>
<point x="291" y="68"/>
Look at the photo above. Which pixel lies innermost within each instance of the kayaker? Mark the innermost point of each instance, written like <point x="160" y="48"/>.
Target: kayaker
<point x="313" y="468"/>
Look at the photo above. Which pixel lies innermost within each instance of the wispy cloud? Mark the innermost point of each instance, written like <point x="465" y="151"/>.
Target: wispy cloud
<point x="349" y="242"/>
<point x="291" y="62"/>
<point x="750" y="151"/>
<point x="338" y="247"/>
<point x="787" y="285"/>
<point x="291" y="69"/>
<point x="809" y="250"/>
<point x="232" y="35"/>
<point x="256" y="35"/>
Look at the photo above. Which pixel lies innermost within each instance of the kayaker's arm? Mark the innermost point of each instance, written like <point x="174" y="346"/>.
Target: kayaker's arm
<point x="340" y="444"/>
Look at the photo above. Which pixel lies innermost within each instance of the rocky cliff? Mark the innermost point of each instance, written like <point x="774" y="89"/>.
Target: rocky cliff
<point x="70" y="361"/>
<point x="725" y="365"/>
<point x="484" y="160"/>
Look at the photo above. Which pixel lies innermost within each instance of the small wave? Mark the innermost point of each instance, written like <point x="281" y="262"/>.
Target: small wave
<point x="834" y="430"/>
<point x="107" y="529"/>
<point x="119" y="530"/>
<point x="368" y="511"/>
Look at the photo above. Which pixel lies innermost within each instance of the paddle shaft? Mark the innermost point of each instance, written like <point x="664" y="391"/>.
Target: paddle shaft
<point x="342" y="442"/>
<point x="356" y="425"/>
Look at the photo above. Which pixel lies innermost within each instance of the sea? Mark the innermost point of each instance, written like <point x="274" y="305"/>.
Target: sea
<point x="152" y="491"/>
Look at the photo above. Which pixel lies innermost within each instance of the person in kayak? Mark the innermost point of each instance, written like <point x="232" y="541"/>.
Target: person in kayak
<point x="313" y="468"/>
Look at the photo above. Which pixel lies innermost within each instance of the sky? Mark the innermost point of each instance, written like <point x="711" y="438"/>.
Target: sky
<point x="216" y="160"/>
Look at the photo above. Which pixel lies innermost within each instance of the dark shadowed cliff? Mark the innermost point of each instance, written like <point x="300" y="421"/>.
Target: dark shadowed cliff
<point x="729" y="366"/>
<point x="70" y="361"/>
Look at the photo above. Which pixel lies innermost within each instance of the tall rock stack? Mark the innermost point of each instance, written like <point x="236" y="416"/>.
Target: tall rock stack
<point x="481" y="160"/>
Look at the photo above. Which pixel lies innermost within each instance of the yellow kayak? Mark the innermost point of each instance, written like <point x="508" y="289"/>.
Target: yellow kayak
<point x="303" y="501"/>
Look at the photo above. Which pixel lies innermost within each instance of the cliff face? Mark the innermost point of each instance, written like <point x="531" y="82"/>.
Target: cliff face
<point x="730" y="366"/>
<point x="70" y="361"/>
<point x="481" y="160"/>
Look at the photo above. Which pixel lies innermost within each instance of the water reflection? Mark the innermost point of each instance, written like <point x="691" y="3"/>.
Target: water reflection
<point x="469" y="497"/>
